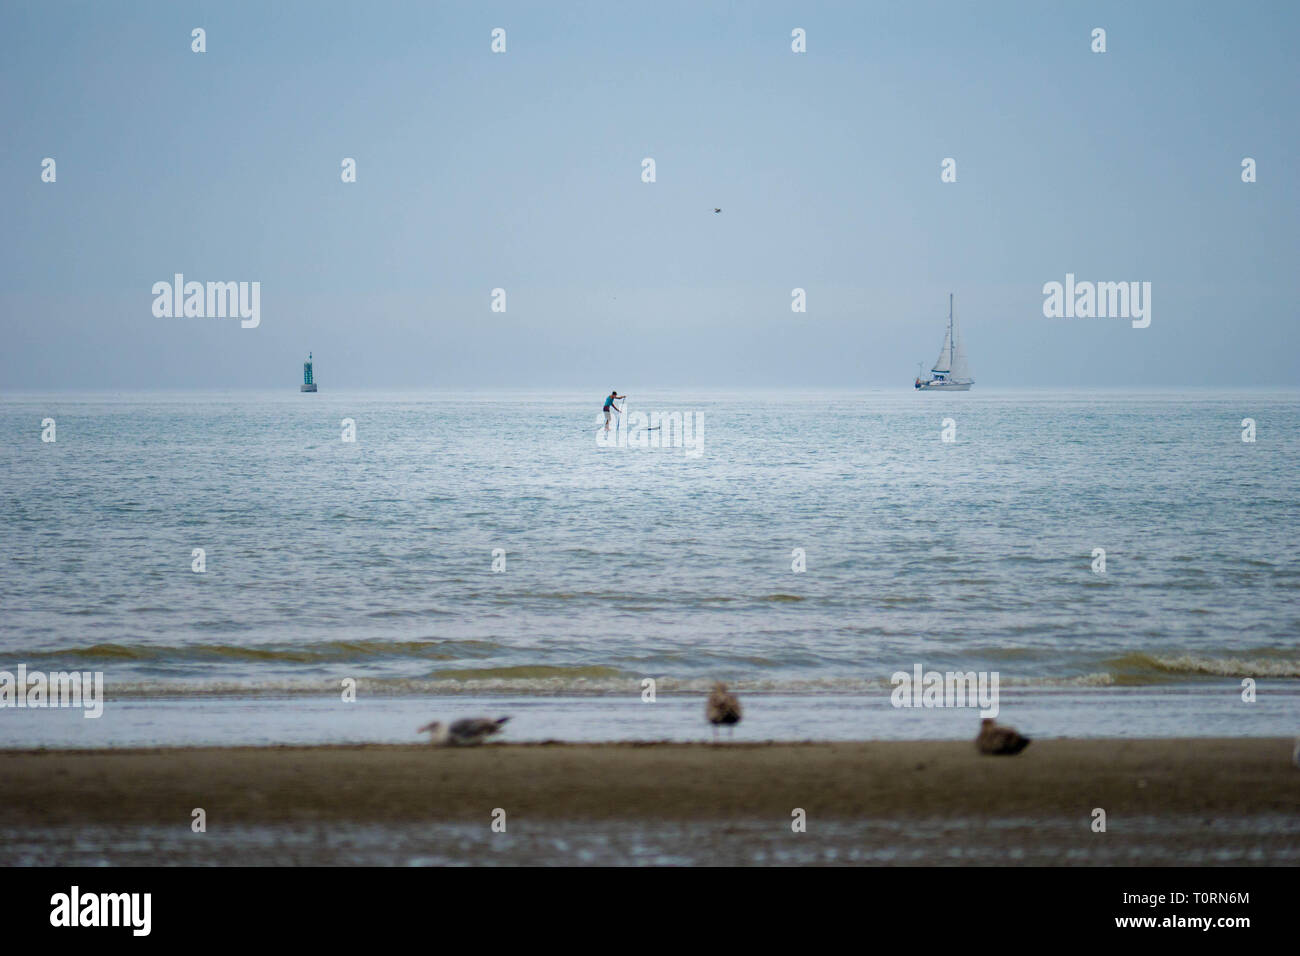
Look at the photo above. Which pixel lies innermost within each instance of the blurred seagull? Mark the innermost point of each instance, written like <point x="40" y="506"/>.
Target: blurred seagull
<point x="463" y="733"/>
<point x="997" y="740"/>
<point x="723" y="708"/>
<point x="716" y="209"/>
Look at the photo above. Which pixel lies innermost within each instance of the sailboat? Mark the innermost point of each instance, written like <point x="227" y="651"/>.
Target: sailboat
<point x="950" y="371"/>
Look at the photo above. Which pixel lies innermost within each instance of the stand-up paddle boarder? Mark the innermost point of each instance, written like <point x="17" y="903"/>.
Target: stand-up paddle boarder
<point x="609" y="403"/>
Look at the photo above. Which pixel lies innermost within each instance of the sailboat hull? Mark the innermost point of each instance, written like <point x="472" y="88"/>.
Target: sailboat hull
<point x="943" y="386"/>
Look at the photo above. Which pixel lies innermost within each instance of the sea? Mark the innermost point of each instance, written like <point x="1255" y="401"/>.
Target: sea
<point x="345" y="566"/>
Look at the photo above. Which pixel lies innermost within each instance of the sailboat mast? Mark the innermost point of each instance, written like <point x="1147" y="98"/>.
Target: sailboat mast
<point x="952" y="345"/>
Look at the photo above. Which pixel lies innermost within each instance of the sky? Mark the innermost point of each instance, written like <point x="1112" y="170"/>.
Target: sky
<point x="522" y="171"/>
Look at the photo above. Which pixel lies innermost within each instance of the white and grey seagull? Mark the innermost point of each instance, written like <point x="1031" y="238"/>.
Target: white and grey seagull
<point x="466" y="732"/>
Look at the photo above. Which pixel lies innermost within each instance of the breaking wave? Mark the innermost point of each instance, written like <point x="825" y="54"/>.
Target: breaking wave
<point x="437" y="667"/>
<point x="1140" y="668"/>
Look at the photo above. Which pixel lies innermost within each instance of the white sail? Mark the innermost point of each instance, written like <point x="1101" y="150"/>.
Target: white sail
<point x="960" y="368"/>
<point x="941" y="363"/>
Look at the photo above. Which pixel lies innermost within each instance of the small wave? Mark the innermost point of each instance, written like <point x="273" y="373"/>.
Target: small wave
<point x="527" y="672"/>
<point x="448" y="667"/>
<point x="1148" y="668"/>
<point x="1099" y="679"/>
<point x="542" y="681"/>
<point x="400" y="613"/>
<point x="108" y="652"/>
<point x="781" y="597"/>
<point x="312" y="653"/>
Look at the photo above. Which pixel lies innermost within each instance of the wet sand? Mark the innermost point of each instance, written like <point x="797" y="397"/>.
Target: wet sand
<point x="638" y="781"/>
<point x="1167" y="801"/>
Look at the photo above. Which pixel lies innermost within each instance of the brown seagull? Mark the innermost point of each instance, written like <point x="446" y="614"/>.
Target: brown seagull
<point x="999" y="741"/>
<point x="465" y="732"/>
<point x="722" y="708"/>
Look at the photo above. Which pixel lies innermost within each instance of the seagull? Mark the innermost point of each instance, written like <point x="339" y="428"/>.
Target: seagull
<point x="723" y="708"/>
<point x="996" y="740"/>
<point x="716" y="209"/>
<point x="463" y="733"/>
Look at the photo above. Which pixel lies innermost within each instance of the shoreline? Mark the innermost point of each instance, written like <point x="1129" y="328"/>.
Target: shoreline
<point x="312" y="720"/>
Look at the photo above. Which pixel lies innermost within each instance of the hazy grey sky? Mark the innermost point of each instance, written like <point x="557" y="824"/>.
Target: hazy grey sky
<point x="523" y="170"/>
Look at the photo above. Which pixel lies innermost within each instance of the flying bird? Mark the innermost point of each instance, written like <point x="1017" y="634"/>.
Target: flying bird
<point x="716" y="209"/>
<point x="465" y="732"/>
<point x="722" y="708"/>
<point x="996" y="740"/>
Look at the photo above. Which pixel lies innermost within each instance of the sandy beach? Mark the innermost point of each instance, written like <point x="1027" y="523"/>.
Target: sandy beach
<point x="1167" y="801"/>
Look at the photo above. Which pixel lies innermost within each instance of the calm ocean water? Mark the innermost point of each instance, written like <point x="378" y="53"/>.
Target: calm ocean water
<point x="373" y="560"/>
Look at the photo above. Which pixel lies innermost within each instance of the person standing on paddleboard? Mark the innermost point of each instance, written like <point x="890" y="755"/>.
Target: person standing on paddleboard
<point x="609" y="403"/>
